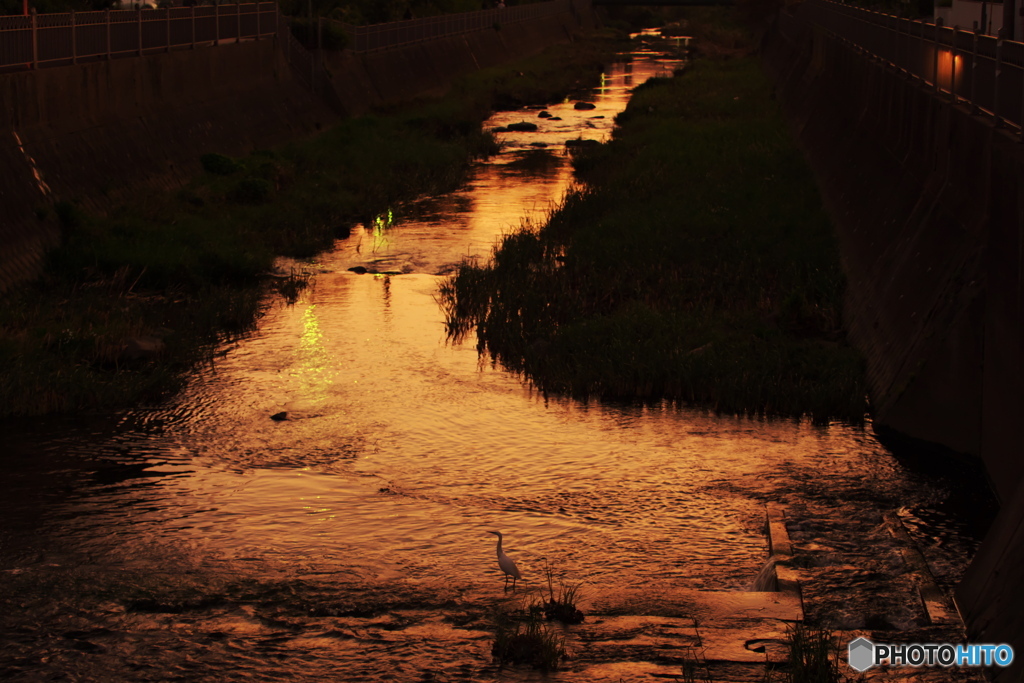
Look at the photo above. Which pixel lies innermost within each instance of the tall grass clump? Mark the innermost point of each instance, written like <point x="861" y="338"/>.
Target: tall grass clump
<point x="695" y="667"/>
<point x="564" y="606"/>
<point x="695" y="264"/>
<point x="814" y="657"/>
<point x="525" y="638"/>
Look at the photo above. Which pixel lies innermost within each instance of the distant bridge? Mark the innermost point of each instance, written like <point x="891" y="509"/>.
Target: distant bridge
<point x="666" y="3"/>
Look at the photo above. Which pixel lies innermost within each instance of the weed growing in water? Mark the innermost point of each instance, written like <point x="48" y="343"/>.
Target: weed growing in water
<point x="524" y="637"/>
<point x="814" y="657"/>
<point x="695" y="667"/>
<point x="292" y="285"/>
<point x="562" y="608"/>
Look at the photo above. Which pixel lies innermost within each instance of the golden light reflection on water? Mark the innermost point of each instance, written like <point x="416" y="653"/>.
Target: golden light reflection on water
<point x="314" y="368"/>
<point x="523" y="183"/>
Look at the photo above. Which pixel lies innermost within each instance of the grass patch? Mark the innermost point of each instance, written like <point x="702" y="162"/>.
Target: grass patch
<point x="814" y="657"/>
<point x="523" y="637"/>
<point x="695" y="667"/>
<point x="562" y="607"/>
<point x="696" y="264"/>
<point x="190" y="267"/>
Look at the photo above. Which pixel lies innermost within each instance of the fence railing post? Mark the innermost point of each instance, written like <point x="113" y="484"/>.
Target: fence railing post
<point x="1021" y="121"/>
<point x="106" y="17"/>
<point x="138" y="33"/>
<point x="238" y="21"/>
<point x="216" y="22"/>
<point x="168" y="19"/>
<point x="935" y="66"/>
<point x="995" y="84"/>
<point x="35" y="39"/>
<point x="952" y="67"/>
<point x="974" y="71"/>
<point x="74" y="40"/>
<point x="259" y="31"/>
<point x="193" y="27"/>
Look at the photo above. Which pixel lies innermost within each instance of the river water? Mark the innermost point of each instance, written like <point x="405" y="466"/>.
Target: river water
<point x="202" y="540"/>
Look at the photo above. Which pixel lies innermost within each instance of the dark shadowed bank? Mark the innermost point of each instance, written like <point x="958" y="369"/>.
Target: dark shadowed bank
<point x="134" y="298"/>
<point x="696" y="263"/>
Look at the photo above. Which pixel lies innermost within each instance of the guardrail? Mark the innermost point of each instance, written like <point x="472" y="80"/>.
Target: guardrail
<point x="985" y="72"/>
<point x="39" y="40"/>
<point x="398" y="33"/>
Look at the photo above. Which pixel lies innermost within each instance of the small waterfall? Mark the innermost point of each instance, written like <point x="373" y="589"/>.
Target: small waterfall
<point x="766" y="579"/>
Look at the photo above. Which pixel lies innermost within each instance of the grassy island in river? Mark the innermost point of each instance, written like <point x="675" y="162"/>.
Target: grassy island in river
<point x="694" y="263"/>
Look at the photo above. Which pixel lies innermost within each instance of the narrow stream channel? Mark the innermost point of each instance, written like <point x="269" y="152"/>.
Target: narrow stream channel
<point x="203" y="540"/>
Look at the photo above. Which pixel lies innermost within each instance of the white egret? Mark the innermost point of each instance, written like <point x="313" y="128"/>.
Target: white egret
<point x="506" y="564"/>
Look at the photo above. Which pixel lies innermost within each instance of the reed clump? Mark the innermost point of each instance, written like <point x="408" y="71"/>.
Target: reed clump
<point x="564" y="606"/>
<point x="695" y="264"/>
<point x="814" y="657"/>
<point x="524" y="637"/>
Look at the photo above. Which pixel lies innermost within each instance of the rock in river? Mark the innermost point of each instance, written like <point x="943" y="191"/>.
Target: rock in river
<point x="522" y="127"/>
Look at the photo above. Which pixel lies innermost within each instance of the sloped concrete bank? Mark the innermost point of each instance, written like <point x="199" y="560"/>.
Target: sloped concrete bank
<point x="362" y="81"/>
<point x="929" y="207"/>
<point x="94" y="132"/>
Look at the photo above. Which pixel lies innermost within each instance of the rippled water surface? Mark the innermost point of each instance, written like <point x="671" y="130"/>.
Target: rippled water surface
<point x="203" y="540"/>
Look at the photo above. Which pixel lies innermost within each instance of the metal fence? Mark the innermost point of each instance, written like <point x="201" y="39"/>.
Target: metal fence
<point x="40" y="40"/>
<point x="398" y="33"/>
<point x="982" y="71"/>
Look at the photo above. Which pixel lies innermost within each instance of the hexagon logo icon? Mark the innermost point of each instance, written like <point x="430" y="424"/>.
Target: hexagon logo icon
<point x="861" y="654"/>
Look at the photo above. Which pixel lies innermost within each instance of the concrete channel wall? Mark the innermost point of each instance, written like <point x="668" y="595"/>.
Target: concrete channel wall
<point x="929" y="205"/>
<point x="94" y="133"/>
<point x="360" y="81"/>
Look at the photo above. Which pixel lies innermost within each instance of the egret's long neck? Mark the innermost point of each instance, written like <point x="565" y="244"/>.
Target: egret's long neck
<point x="499" y="546"/>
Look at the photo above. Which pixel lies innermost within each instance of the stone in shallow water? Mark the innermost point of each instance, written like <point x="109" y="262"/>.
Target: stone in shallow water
<point x="579" y="142"/>
<point x="584" y="106"/>
<point x="522" y="127"/>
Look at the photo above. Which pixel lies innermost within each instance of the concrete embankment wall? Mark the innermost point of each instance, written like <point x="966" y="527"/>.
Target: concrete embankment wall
<point x="362" y="81"/>
<point x="929" y="206"/>
<point x="94" y="133"/>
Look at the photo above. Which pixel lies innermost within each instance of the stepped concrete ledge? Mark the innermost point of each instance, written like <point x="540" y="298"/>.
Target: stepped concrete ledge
<point x="732" y="636"/>
<point x="937" y="605"/>
<point x="706" y="607"/>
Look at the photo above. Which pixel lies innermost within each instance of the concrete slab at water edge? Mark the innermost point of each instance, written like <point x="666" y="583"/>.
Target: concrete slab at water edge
<point x="706" y="607"/>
